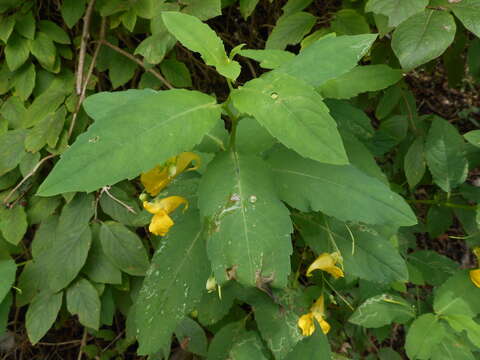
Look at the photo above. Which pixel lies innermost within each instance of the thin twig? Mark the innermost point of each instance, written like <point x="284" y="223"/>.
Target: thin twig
<point x="83" y="46"/>
<point x="106" y="189"/>
<point x="82" y="344"/>
<point x="139" y="62"/>
<point x="30" y="174"/>
<point x="87" y="78"/>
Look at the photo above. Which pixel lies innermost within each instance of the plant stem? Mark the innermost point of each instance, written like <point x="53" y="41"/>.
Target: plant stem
<point x="444" y="204"/>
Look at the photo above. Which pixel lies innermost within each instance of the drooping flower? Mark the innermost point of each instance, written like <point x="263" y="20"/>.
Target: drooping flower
<point x="161" y="221"/>
<point x="327" y="262"/>
<point x="317" y="312"/>
<point x="475" y="277"/>
<point x="156" y="179"/>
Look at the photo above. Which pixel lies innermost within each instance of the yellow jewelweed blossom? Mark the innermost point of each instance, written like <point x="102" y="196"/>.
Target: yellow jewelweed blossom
<point x="475" y="277"/>
<point x="327" y="262"/>
<point x="159" y="177"/>
<point x="161" y="221"/>
<point x="317" y="311"/>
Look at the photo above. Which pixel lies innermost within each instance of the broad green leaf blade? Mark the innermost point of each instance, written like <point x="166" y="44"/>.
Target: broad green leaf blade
<point x="13" y="223"/>
<point x="16" y="51"/>
<point x="248" y="347"/>
<point x="44" y="50"/>
<point x="473" y="137"/>
<point x="247" y="7"/>
<point x="445" y="154"/>
<point x="349" y="22"/>
<point x="340" y="191"/>
<point x="293" y="113"/>
<point x="199" y="37"/>
<point x="359" y="80"/>
<point x="315" y="346"/>
<point x="252" y="137"/>
<point x="468" y="11"/>
<point x="5" y="307"/>
<point x="11" y="150"/>
<point x="212" y="309"/>
<point x="225" y="339"/>
<point x="423" y="336"/>
<point x="382" y="310"/>
<point x="174" y="284"/>
<point x="423" y="37"/>
<point x="351" y="119"/>
<point x="414" y="162"/>
<point x="314" y="64"/>
<point x="41" y="314"/>
<point x="366" y="253"/>
<point x="435" y="268"/>
<point x="203" y="9"/>
<point x="464" y="322"/>
<point x="72" y="11"/>
<point x="269" y="59"/>
<point x="458" y="295"/>
<point x="47" y="130"/>
<point x="152" y="125"/>
<point x="396" y="11"/>
<point x="250" y="228"/>
<point x="191" y="333"/>
<point x="7" y="274"/>
<point x="124" y="248"/>
<point x="68" y="253"/>
<point x="83" y="300"/>
<point x="290" y="30"/>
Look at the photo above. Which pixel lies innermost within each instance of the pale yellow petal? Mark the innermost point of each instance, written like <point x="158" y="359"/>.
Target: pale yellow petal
<point x="324" y="325"/>
<point x="184" y="160"/>
<point x="326" y="262"/>
<point x="306" y="324"/>
<point x="153" y="207"/>
<point x="170" y="203"/>
<point x="318" y="308"/>
<point x="475" y="277"/>
<point x="160" y="224"/>
<point x="155" y="180"/>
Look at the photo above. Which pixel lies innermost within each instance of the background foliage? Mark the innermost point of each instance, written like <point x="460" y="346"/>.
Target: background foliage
<point x="388" y="179"/>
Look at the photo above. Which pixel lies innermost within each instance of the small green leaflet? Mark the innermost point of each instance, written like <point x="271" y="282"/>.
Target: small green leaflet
<point x="468" y="11"/>
<point x="199" y="37"/>
<point x="290" y="30"/>
<point x="41" y="314"/>
<point x="423" y="37"/>
<point x="247" y="7"/>
<point x="11" y="149"/>
<point x="349" y="22"/>
<point x="382" y="310"/>
<point x="174" y="284"/>
<point x="414" y="162"/>
<point x="473" y="137"/>
<point x="250" y="228"/>
<point x="314" y="64"/>
<point x="396" y="11"/>
<point x="293" y="113"/>
<point x="423" y="336"/>
<point x="152" y="125"/>
<point x="340" y="191"/>
<point x="359" y="80"/>
<point x="269" y="59"/>
<point x="315" y="346"/>
<point x="83" y="300"/>
<point x="445" y="154"/>
<point x="7" y="274"/>
<point x="13" y="223"/>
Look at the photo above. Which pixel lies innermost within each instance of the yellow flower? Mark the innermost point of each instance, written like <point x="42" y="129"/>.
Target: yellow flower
<point x="317" y="311"/>
<point x="475" y="277"/>
<point x="326" y="262"/>
<point x="159" y="177"/>
<point x="161" y="221"/>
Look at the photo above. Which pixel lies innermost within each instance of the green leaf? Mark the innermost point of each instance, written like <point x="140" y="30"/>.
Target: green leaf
<point x="44" y="236"/>
<point x="5" y="307"/>
<point x="124" y="248"/>
<point x="269" y="59"/>
<point x="39" y="209"/>
<point x="349" y="22"/>
<point x="121" y="70"/>
<point x="83" y="300"/>
<point x="340" y="191"/>
<point x="98" y="267"/>
<point x="69" y="250"/>
<point x="41" y="314"/>
<point x="423" y="336"/>
<point x="190" y="333"/>
<point x="366" y="252"/>
<point x="445" y="154"/>
<point x="293" y="113"/>
<point x="154" y="48"/>
<point x="423" y="37"/>
<point x="212" y="308"/>
<point x="247" y="7"/>
<point x="13" y="223"/>
<point x="24" y="81"/>
<point x="138" y="119"/>
<point x="72" y="11"/>
<point x="16" y="51"/>
<point x="248" y="347"/>
<point x="25" y="25"/>
<point x="359" y="80"/>
<point x="176" y="73"/>
<point x="8" y="269"/>
<point x="11" y="150"/>
<point x="199" y="37"/>
<point x="46" y="131"/>
<point x="118" y="211"/>
<point x="54" y="32"/>
<point x="203" y="9"/>
<point x="435" y="268"/>
<point x="473" y="137"/>
<point x="382" y="310"/>
<point x="290" y="30"/>
<point x="249" y="226"/>
<point x="7" y="23"/>
<point x="458" y="295"/>
<point x="439" y="220"/>
<point x="315" y="346"/>
<point x="314" y="64"/>
<point x="252" y="137"/>
<point x="225" y="339"/>
<point x="293" y="6"/>
<point x="396" y="11"/>
<point x="473" y="54"/>
<point x="452" y="348"/>
<point x="44" y="50"/>
<point x="463" y="322"/>
<point x="468" y="11"/>
<point x="414" y="162"/>
<point x="174" y="284"/>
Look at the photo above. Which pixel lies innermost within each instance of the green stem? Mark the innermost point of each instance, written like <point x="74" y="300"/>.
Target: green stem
<point x="445" y="204"/>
